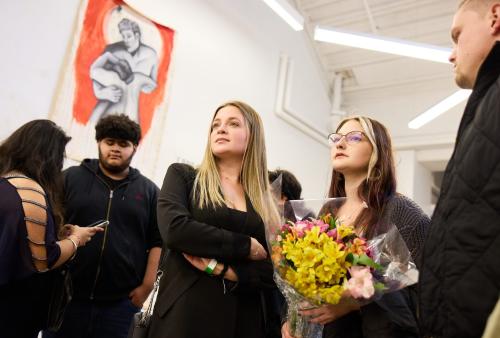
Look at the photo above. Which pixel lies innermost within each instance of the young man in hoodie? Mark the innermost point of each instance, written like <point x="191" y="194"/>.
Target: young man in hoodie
<point x="113" y="274"/>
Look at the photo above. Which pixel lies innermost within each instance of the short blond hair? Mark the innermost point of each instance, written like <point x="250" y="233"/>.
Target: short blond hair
<point x="478" y="5"/>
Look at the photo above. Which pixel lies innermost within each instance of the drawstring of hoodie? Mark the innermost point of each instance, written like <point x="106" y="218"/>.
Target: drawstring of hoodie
<point x="125" y="190"/>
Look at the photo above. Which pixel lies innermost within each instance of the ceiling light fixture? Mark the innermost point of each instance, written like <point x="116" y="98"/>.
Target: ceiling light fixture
<point x="443" y="106"/>
<point x="287" y="12"/>
<point x="382" y="44"/>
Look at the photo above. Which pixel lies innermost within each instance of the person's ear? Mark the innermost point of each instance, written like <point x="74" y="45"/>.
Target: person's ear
<point x="495" y="19"/>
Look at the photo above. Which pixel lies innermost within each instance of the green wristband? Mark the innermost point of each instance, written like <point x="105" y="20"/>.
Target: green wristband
<point x="211" y="266"/>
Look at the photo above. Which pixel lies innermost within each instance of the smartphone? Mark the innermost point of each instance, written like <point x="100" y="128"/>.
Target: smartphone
<point x="102" y="223"/>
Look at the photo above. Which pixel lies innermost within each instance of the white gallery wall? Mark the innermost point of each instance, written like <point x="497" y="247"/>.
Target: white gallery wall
<point x="36" y="38"/>
<point x="414" y="179"/>
<point x="223" y="50"/>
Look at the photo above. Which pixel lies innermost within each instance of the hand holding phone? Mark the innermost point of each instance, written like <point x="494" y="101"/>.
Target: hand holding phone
<point x="101" y="223"/>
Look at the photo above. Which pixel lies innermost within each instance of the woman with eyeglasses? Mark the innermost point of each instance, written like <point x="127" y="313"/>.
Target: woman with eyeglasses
<point x="363" y="171"/>
<point x="212" y="222"/>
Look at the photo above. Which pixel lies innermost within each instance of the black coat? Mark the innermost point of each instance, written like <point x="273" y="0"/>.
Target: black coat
<point x="460" y="278"/>
<point x="192" y="304"/>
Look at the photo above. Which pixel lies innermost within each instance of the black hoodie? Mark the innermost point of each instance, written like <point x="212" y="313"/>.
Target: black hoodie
<point x="114" y="262"/>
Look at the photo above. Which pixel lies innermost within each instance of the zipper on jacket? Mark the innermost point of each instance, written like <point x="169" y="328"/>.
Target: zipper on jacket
<point x="103" y="245"/>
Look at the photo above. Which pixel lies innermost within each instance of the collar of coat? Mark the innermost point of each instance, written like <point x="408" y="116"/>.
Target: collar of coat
<point x="487" y="75"/>
<point x="489" y="70"/>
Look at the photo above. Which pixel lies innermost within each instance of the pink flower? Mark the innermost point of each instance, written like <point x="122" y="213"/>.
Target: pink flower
<point x="323" y="227"/>
<point x="332" y="233"/>
<point x="369" y="252"/>
<point x="360" y="285"/>
<point x="301" y="225"/>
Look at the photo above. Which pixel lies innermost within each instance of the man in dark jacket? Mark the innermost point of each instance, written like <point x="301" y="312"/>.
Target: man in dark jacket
<point x="114" y="273"/>
<point x="460" y="278"/>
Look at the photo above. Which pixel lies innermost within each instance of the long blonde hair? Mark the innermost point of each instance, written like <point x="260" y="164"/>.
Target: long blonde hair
<point x="253" y="175"/>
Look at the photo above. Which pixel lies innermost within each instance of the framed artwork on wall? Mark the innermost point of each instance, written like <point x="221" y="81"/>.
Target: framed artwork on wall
<point x="117" y="62"/>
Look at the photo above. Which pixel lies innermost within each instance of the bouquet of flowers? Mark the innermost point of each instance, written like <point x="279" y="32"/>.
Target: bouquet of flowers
<point x="321" y="260"/>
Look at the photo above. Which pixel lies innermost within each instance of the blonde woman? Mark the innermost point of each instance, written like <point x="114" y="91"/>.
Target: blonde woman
<point x="363" y="171"/>
<point x="212" y="223"/>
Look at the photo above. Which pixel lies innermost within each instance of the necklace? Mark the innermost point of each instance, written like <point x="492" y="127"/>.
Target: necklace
<point x="229" y="203"/>
<point x="349" y="218"/>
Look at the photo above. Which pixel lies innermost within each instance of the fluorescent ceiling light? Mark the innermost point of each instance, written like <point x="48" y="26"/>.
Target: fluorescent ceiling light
<point x="287" y="12"/>
<point x="382" y="44"/>
<point x="443" y="106"/>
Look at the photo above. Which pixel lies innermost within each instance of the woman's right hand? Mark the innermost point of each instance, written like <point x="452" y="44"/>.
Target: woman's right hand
<point x="257" y="251"/>
<point x="81" y="235"/>
<point x="328" y="313"/>
<point x="285" y="332"/>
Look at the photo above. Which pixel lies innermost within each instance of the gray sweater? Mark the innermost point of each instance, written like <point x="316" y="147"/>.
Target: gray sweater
<point x="411" y="222"/>
<point x="394" y="315"/>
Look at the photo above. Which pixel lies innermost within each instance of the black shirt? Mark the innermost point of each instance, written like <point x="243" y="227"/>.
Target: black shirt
<point x="112" y="183"/>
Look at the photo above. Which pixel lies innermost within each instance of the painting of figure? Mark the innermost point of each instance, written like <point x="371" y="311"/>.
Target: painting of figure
<point x="118" y="63"/>
<point x="124" y="70"/>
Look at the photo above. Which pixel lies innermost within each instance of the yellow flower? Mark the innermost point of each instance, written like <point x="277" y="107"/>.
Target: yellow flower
<point x="311" y="256"/>
<point x="344" y="230"/>
<point x="332" y="294"/>
<point x="315" y="264"/>
<point x="327" y="218"/>
<point x="312" y="236"/>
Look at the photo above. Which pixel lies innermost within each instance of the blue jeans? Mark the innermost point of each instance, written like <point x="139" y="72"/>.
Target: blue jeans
<point x="96" y="319"/>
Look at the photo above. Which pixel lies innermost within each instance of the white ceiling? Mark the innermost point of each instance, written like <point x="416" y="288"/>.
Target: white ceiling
<point x="390" y="88"/>
<point x="425" y="21"/>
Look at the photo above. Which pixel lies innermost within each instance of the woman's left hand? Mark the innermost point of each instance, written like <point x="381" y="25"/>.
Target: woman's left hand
<point x="198" y="262"/>
<point x="201" y="264"/>
<point x="329" y="313"/>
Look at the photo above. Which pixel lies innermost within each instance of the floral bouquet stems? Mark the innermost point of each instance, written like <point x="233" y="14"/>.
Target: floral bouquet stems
<point x="299" y="326"/>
